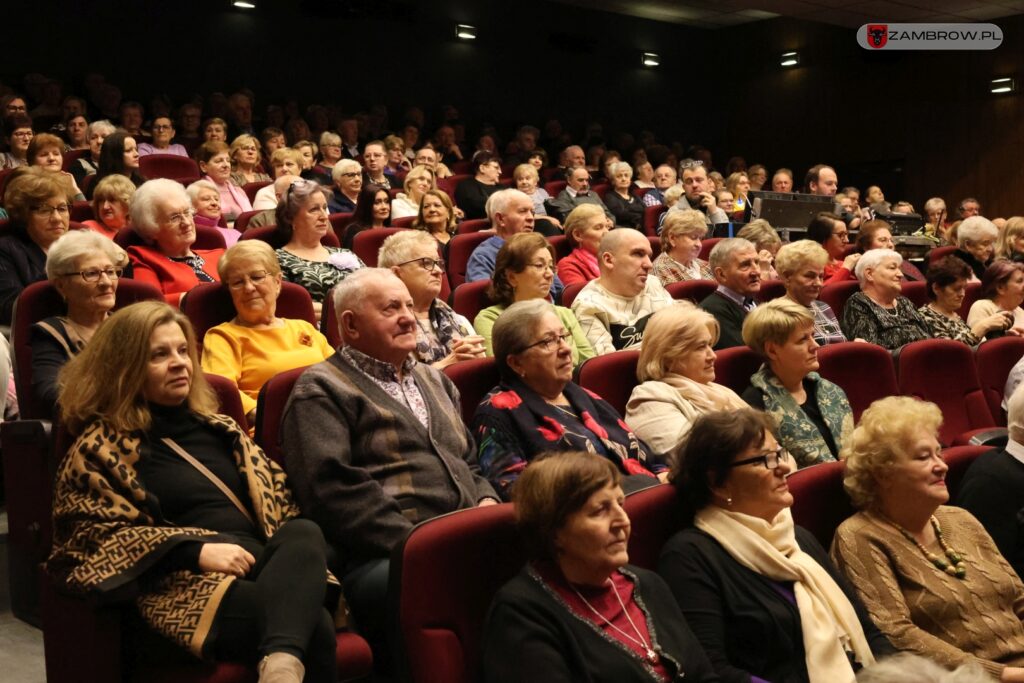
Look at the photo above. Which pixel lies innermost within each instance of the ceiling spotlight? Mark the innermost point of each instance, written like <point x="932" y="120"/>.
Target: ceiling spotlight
<point x="244" y="4"/>
<point x="465" y="32"/>
<point x="651" y="60"/>
<point x="789" y="59"/>
<point x="1002" y="85"/>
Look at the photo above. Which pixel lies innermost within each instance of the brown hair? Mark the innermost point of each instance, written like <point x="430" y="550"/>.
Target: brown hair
<point x="27" y="188"/>
<point x="867" y="233"/>
<point x="514" y="256"/>
<point x="209" y="150"/>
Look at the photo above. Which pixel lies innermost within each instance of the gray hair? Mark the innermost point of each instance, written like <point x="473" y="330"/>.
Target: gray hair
<point x="329" y="138"/>
<point x="350" y="293"/>
<point x="398" y="248"/>
<point x="499" y="201"/>
<point x="872" y="259"/>
<point x="934" y="204"/>
<point x="723" y="252"/>
<point x="905" y="667"/>
<point x="194" y="189"/>
<point x="975" y="228"/>
<point x="513" y="330"/>
<point x="619" y="165"/>
<point x="102" y="127"/>
<point x="143" y="209"/>
<point x="73" y="245"/>
<point x="613" y="239"/>
<point x="345" y="166"/>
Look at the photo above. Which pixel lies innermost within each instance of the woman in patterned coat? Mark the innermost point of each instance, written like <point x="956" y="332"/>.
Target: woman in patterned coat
<point x="164" y="502"/>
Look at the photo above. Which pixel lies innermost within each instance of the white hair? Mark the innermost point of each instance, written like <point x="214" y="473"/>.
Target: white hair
<point x="194" y="189"/>
<point x="344" y="166"/>
<point x="499" y="201"/>
<point x="722" y="252"/>
<point x="872" y="259"/>
<point x="975" y="229"/>
<point x="143" y="207"/>
<point x="905" y="667"/>
<point x="73" y="245"/>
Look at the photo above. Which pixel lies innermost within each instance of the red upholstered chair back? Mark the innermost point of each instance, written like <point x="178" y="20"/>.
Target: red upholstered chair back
<point x="250" y="189"/>
<point x="651" y="216"/>
<point x="270" y="409"/>
<point x="864" y="371"/>
<point x="554" y="187"/>
<point x="329" y="320"/>
<point x="655" y="246"/>
<point x="38" y="301"/>
<point x="938" y="253"/>
<point x="570" y="292"/>
<point x="561" y="245"/>
<point x="916" y="291"/>
<point x="994" y="360"/>
<point x="265" y="233"/>
<point x="611" y="376"/>
<point x="460" y="248"/>
<point x="242" y="220"/>
<point x="942" y="371"/>
<point x="473" y="225"/>
<point x="473" y="378"/>
<point x="771" y="289"/>
<point x="208" y="304"/>
<point x="366" y="244"/>
<point x="444" y="577"/>
<point x="601" y="189"/>
<point x="694" y="290"/>
<point x="706" y="246"/>
<point x="959" y="459"/>
<point x="972" y="292"/>
<point x="340" y="221"/>
<point x="403" y="222"/>
<point x="820" y="503"/>
<point x="470" y="298"/>
<point x="656" y="514"/>
<point x="448" y="185"/>
<point x="836" y="294"/>
<point x="206" y="238"/>
<point x="81" y="211"/>
<point x="172" y="166"/>
<point x="73" y="155"/>
<point x="734" y="366"/>
<point x="227" y="396"/>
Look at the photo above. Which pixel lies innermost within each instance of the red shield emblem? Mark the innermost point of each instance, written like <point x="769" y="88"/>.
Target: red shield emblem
<point x="878" y="35"/>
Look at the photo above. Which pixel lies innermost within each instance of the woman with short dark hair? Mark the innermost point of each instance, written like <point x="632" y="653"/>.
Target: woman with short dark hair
<point x="471" y="195"/>
<point x="947" y="281"/>
<point x="830" y="232"/>
<point x="1002" y="291"/>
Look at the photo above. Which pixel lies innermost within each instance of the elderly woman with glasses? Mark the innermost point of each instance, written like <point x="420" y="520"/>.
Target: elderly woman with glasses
<point x="18" y="133"/>
<point x="111" y="203"/>
<point x="88" y="165"/>
<point x="759" y="592"/>
<point x="681" y="234"/>
<point x="976" y="243"/>
<point x="245" y="159"/>
<point x="301" y="224"/>
<point x="443" y="336"/>
<point x="536" y="408"/>
<point x="831" y="233"/>
<point x="163" y="216"/>
<point x="85" y="269"/>
<point x="801" y="267"/>
<point x="38" y="206"/>
<point x="256" y="345"/>
<point x="347" y="175"/>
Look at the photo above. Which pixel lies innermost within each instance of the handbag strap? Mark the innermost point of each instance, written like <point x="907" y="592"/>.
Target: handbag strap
<point x="173" y="445"/>
<point x="49" y="329"/>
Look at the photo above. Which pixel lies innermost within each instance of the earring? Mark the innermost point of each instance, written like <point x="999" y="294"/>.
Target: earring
<point x="728" y="501"/>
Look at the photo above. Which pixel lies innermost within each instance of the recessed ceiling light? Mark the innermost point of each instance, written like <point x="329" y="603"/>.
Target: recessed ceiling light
<point x="465" y="32"/>
<point x="1002" y="85"/>
<point x="651" y="60"/>
<point x="789" y="59"/>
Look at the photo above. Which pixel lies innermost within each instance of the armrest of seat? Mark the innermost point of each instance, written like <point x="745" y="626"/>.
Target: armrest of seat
<point x="995" y="437"/>
<point x="81" y="641"/>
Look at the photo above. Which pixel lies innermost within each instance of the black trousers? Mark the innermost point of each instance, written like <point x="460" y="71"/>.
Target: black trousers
<point x="279" y="605"/>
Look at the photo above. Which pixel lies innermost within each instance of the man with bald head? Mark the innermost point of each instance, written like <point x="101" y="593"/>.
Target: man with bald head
<point x="571" y="157"/>
<point x="613" y="309"/>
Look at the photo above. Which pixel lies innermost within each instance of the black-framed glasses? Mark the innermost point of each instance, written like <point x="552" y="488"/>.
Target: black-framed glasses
<point x="427" y="264"/>
<point x="545" y="344"/>
<point x="94" y="274"/>
<point x="257" y="278"/>
<point x="44" y="211"/>
<point x="771" y="459"/>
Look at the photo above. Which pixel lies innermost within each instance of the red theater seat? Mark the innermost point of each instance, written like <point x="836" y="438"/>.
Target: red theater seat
<point x="864" y="371"/>
<point x="694" y="290"/>
<point x="836" y="294"/>
<point x="473" y="378"/>
<point x="771" y="289"/>
<point x="706" y="246"/>
<point x="460" y="248"/>
<point x="208" y="304"/>
<point x="820" y="503"/>
<point x="570" y="292"/>
<point x="473" y="225"/>
<point x="611" y="376"/>
<point x="470" y="298"/>
<point x="651" y="216"/>
<point x="366" y="244"/>
<point x="734" y="366"/>
<point x="250" y="189"/>
<point x="994" y="360"/>
<point x="172" y="166"/>
<point x="656" y="515"/>
<point x="270" y="405"/>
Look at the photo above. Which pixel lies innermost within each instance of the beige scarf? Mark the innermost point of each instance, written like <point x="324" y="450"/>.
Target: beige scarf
<point x="829" y="622"/>
<point x="705" y="397"/>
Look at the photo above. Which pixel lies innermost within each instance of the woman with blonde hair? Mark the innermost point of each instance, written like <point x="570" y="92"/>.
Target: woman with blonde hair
<point x="1010" y="243"/>
<point x="527" y="181"/>
<point x="111" y="204"/>
<point x="676" y="371"/>
<point x="801" y="267"/>
<point x="436" y="216"/>
<point x="929" y="574"/>
<point x="739" y="185"/>
<point x="416" y="183"/>
<point x="767" y="242"/>
<point x="584" y="227"/>
<point x="245" y="160"/>
<point x="680" y="239"/>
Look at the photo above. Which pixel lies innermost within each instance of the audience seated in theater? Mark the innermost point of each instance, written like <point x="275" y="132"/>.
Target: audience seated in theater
<point x="993" y="489"/>
<point x="585" y="226"/>
<point x="301" y="223"/>
<point x="947" y="281"/>
<point x="284" y="161"/>
<point x="813" y="415"/>
<point x="831" y="233"/>
<point x="576" y="193"/>
<point x="85" y="269"/>
<point x="308" y="150"/>
<point x="782" y="180"/>
<point x="347" y="175"/>
<point x="160" y="143"/>
<point x="374" y="441"/>
<point x="734" y="263"/>
<point x="397" y="163"/>
<point x="969" y="206"/>
<point x="245" y="160"/>
<point x="18" y="134"/>
<point x="46" y="151"/>
<point x="537" y="408"/>
<point x="571" y="157"/>
<point x="1002" y="291"/>
<point x="676" y="371"/>
<point x="348" y="129"/>
<point x="527" y="181"/>
<point x="930" y="576"/>
<point x="698" y="193"/>
<point x="76" y="132"/>
<point x="577" y="610"/>
<point x="878" y="313"/>
<point x="375" y="163"/>
<point x="88" y="165"/>
<point x="427" y="156"/>
<point x="205" y="199"/>
<point x="664" y="178"/>
<point x="627" y="209"/>
<point x="447" y="146"/>
<point x="876" y="234"/>
<point x="111" y="202"/>
<point x="229" y="579"/>
<point x="256" y="345"/>
<point x="416" y="183"/>
<point x="118" y="155"/>
<point x="1010" y="244"/>
<point x="767" y="243"/>
<point x="613" y="310"/>
<point x="436" y="216"/>
<point x="37" y="204"/>
<point x="443" y="336"/>
<point x="738" y="185"/>
<point x="801" y="268"/>
<point x="681" y="235"/>
<point x="330" y="155"/>
<point x="215" y="163"/>
<point x="132" y="118"/>
<point x="472" y="194"/>
<point x="523" y="271"/>
<point x="643" y="174"/>
<point x="821" y="180"/>
<point x="760" y="593"/>
<point x="975" y="244"/>
<point x="373" y="210"/>
<point x="215" y="129"/>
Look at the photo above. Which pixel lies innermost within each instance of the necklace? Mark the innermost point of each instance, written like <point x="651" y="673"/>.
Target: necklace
<point x="566" y="411"/>
<point x="649" y="652"/>
<point x="956" y="565"/>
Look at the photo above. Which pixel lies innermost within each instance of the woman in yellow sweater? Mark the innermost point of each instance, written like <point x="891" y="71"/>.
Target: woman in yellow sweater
<point x="256" y="344"/>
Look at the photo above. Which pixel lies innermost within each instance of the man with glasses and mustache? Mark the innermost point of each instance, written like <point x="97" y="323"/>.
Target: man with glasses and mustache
<point x="576" y="193"/>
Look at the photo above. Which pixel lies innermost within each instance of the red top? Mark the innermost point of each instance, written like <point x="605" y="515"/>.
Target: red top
<point x="173" y="278"/>
<point x="835" y="272"/>
<point x="578" y="266"/>
<point x="100" y="228"/>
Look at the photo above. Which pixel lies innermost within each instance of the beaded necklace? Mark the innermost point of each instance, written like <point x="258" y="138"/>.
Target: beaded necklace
<point x="956" y="565"/>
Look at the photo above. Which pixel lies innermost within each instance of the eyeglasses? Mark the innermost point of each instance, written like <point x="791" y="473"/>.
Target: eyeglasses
<point x="181" y="217"/>
<point x="547" y="343"/>
<point x="541" y="266"/>
<point x="352" y="174"/>
<point x="94" y="274"/>
<point x="257" y="278"/>
<point x="427" y="264"/>
<point x="247" y="148"/>
<point x="771" y="459"/>
<point x="22" y="134"/>
<point x="163" y="126"/>
<point x="47" y="211"/>
<point x="692" y="163"/>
